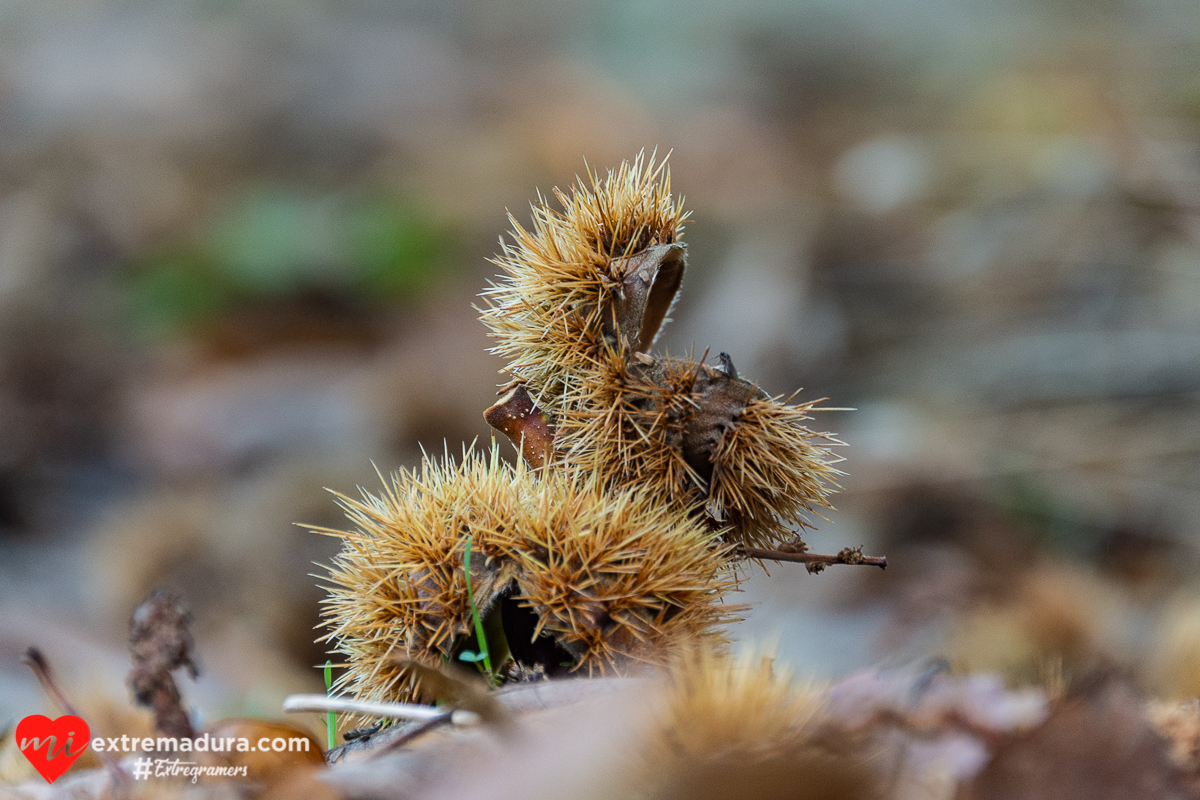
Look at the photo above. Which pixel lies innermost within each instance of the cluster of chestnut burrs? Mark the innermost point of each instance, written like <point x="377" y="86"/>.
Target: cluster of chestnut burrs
<point x="644" y="479"/>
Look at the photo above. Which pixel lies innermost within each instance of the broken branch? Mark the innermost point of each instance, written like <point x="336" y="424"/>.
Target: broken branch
<point x="814" y="561"/>
<point x="319" y="702"/>
<point x="36" y="661"/>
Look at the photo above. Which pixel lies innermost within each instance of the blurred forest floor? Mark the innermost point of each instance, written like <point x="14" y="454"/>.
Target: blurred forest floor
<point x="240" y="246"/>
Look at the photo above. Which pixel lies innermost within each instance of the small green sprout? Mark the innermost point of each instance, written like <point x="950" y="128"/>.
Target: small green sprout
<point x="482" y="655"/>
<point x="330" y="717"/>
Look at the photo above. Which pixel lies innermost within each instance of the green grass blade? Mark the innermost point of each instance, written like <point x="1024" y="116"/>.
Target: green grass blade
<point x="479" y="635"/>
<point x="330" y="717"/>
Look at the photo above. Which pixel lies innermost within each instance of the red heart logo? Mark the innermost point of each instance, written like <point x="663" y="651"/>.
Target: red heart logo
<point x="50" y="744"/>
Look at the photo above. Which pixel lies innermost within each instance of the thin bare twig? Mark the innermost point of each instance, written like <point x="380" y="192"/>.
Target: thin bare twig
<point x="814" y="561"/>
<point x="36" y="661"/>
<point x="319" y="702"/>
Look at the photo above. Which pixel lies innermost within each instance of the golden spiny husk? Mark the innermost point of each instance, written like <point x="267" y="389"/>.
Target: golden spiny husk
<point x="628" y="426"/>
<point x="729" y="728"/>
<point x="771" y="471"/>
<point x="399" y="589"/>
<point x="699" y="435"/>
<point x="618" y="578"/>
<point x="547" y="314"/>
<point x="614" y="577"/>
<point x="746" y="704"/>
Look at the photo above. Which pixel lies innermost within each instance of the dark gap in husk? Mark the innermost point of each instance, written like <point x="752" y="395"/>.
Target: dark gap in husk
<point x="520" y="622"/>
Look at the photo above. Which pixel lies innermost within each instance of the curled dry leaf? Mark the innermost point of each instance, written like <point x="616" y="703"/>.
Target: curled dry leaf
<point x="1095" y="746"/>
<point x="525" y="425"/>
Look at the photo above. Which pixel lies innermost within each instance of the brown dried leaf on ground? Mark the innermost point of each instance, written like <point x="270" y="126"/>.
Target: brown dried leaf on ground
<point x="1179" y="724"/>
<point x="1095" y="745"/>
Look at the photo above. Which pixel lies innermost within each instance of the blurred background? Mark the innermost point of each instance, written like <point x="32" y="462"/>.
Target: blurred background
<point x="240" y="243"/>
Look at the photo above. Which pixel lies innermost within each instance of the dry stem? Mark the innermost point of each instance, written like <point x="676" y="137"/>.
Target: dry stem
<point x="318" y="702"/>
<point x="814" y="561"/>
<point x="36" y="661"/>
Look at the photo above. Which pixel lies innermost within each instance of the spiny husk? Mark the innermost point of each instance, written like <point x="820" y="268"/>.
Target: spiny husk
<point x="745" y="704"/>
<point x="699" y="435"/>
<point x="627" y="423"/>
<point x="399" y="589"/>
<point x="548" y="314"/>
<point x="770" y="471"/>
<point x="619" y="579"/>
<point x="616" y="578"/>
<point x="731" y="728"/>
